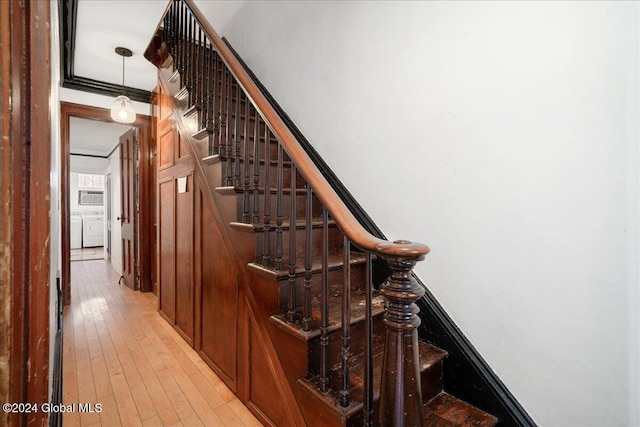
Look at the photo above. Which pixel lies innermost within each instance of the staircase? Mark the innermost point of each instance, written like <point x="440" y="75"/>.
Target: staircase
<point x="347" y="346"/>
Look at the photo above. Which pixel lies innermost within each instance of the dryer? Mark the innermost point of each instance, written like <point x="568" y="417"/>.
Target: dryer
<point x="92" y="229"/>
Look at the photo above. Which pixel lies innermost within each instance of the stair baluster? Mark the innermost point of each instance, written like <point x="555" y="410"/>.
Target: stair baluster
<point x="229" y="127"/>
<point x="199" y="71"/>
<point x="279" y="213"/>
<point x="238" y="125"/>
<point x="179" y="37"/>
<point x="192" y="57"/>
<point x="256" y="168"/>
<point x="291" y="313"/>
<point x="266" y="252"/>
<point x="189" y="57"/>
<point x="345" y="397"/>
<point x="211" y="120"/>
<point x="324" y="328"/>
<point x="167" y="31"/>
<point x="246" y="201"/>
<point x="308" y="259"/>
<point x="222" y="125"/>
<point x="368" y="347"/>
<point x="216" y="103"/>
<point x="206" y="85"/>
<point x="173" y="32"/>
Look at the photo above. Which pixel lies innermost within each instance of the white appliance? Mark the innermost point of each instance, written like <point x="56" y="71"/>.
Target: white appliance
<point x="76" y="230"/>
<point x="92" y="229"/>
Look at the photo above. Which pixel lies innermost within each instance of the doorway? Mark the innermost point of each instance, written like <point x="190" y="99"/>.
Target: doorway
<point x="146" y="232"/>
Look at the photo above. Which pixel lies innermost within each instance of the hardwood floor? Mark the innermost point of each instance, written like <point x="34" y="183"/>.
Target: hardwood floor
<point x="120" y="353"/>
<point x="85" y="254"/>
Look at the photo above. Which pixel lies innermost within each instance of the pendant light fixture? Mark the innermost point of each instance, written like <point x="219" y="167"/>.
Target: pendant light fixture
<point x="122" y="109"/>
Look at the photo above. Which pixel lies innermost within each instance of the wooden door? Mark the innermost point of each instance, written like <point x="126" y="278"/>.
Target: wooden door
<point x="128" y="197"/>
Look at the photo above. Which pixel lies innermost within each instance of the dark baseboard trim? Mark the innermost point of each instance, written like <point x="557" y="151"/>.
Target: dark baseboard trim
<point x="467" y="375"/>
<point x="55" y="418"/>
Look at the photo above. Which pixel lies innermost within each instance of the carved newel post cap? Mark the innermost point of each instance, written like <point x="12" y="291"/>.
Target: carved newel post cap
<point x="404" y="249"/>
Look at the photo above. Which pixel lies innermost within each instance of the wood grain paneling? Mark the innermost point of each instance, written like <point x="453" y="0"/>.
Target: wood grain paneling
<point x="184" y="259"/>
<point x="165" y="147"/>
<point x="166" y="224"/>
<point x="25" y="230"/>
<point x="182" y="153"/>
<point x="219" y="305"/>
<point x="264" y="390"/>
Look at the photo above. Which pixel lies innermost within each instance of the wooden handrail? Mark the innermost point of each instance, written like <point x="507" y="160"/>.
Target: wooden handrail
<point x="336" y="207"/>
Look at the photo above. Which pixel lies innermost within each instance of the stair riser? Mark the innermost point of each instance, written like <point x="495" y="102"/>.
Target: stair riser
<point x="431" y="382"/>
<point x="228" y="143"/>
<point x="301" y="206"/>
<point x="336" y="243"/>
<point x="239" y="181"/>
<point x="358" y="272"/>
<point x="356" y="344"/>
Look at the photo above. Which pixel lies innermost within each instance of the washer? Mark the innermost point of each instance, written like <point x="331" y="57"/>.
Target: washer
<point x="76" y="230"/>
<point x="92" y="229"/>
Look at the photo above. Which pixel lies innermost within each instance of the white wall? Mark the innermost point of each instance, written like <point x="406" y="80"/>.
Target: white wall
<point x="55" y="248"/>
<point x="507" y="135"/>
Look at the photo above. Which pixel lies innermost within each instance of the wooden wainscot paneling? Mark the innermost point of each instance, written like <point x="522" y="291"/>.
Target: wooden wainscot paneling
<point x="266" y="398"/>
<point x="218" y="297"/>
<point x="166" y="145"/>
<point x="166" y="249"/>
<point x="182" y="153"/>
<point x="184" y="256"/>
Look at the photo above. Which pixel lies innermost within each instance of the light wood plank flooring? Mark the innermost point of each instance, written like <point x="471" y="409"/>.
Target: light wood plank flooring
<point x="120" y="353"/>
<point x="84" y="254"/>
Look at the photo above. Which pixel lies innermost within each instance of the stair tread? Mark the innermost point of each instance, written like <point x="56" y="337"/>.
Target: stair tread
<point x="357" y="308"/>
<point x="230" y="189"/>
<point x="429" y="355"/>
<point x="445" y="410"/>
<point x="286" y="225"/>
<point x="334" y="261"/>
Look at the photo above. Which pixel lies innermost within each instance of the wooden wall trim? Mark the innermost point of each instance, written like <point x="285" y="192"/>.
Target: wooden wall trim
<point x="25" y="159"/>
<point x="5" y="238"/>
<point x="143" y="122"/>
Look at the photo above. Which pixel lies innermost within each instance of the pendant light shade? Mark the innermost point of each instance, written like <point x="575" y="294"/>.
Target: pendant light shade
<point x="122" y="109"/>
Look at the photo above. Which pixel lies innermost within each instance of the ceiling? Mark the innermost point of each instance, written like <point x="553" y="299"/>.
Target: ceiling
<point x="93" y="137"/>
<point x="100" y="27"/>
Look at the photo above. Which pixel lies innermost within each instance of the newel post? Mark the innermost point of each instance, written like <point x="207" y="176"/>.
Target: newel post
<point x="400" y="391"/>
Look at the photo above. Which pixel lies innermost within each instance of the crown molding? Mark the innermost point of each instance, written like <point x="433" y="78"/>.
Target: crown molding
<point x="68" y="13"/>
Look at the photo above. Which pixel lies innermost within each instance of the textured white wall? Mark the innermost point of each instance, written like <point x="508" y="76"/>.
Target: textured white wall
<point x="505" y="136"/>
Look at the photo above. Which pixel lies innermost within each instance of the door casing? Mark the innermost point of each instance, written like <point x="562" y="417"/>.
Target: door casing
<point x="146" y="231"/>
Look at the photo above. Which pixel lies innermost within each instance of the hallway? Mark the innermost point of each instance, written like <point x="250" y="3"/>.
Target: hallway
<point x="120" y="353"/>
